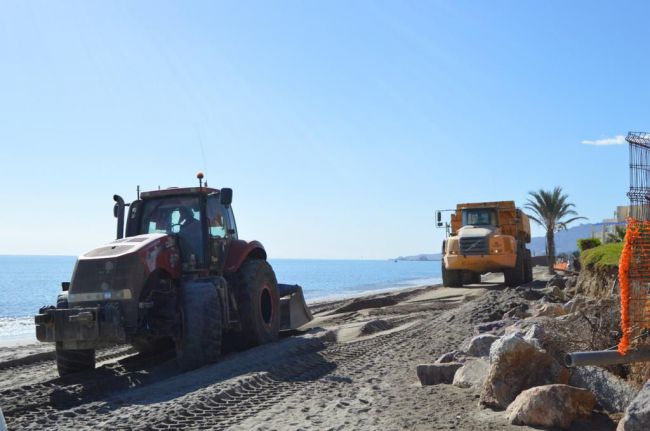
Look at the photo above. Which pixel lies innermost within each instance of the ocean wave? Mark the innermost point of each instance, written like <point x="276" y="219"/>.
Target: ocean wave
<point x="13" y="329"/>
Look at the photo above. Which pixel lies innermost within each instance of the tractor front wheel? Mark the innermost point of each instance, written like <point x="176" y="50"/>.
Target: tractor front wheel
<point x="258" y="302"/>
<point x="200" y="340"/>
<point x="72" y="361"/>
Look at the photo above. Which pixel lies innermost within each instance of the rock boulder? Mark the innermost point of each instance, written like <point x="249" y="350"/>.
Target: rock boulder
<point x="550" y="406"/>
<point x="550" y="310"/>
<point x="637" y="415"/>
<point x="480" y="345"/>
<point x="493" y="326"/>
<point x="435" y="374"/>
<point x="557" y="281"/>
<point x="472" y="374"/>
<point x="516" y="365"/>
<point x="452" y="356"/>
<point x="612" y="393"/>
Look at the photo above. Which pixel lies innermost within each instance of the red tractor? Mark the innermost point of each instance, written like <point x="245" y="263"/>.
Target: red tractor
<point x="177" y="272"/>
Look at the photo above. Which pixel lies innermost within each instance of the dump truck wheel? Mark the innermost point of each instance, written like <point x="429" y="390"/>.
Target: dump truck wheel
<point x="528" y="267"/>
<point x="72" y="361"/>
<point x="476" y="278"/>
<point x="201" y="321"/>
<point x="451" y="277"/>
<point x="258" y="302"/>
<point x="515" y="276"/>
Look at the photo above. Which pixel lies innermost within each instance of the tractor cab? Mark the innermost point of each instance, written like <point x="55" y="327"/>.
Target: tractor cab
<point x="200" y="218"/>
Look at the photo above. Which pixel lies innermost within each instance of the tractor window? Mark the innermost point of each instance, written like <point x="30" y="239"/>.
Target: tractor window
<point x="176" y="215"/>
<point x="479" y="217"/>
<point x="216" y="219"/>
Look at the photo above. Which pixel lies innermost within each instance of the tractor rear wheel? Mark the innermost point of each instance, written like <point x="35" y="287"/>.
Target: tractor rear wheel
<point x="72" y="361"/>
<point x="258" y="301"/>
<point x="451" y="277"/>
<point x="201" y="322"/>
<point x="516" y="276"/>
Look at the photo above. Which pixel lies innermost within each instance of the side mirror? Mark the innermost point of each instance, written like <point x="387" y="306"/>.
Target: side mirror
<point x="226" y="197"/>
<point x="439" y="222"/>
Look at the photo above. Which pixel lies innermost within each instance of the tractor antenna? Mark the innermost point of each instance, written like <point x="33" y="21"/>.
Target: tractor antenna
<point x="138" y="192"/>
<point x="199" y="175"/>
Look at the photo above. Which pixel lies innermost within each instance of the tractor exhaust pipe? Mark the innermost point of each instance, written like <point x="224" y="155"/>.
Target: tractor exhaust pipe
<point x="118" y="212"/>
<point x="605" y="357"/>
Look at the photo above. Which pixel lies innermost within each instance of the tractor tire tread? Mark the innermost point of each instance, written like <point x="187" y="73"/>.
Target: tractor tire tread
<point x="200" y="342"/>
<point x="251" y="275"/>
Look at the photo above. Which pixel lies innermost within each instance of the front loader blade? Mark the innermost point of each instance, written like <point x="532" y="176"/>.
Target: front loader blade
<point x="293" y="309"/>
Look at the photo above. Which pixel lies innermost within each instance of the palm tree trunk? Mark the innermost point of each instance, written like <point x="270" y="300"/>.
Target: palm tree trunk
<point x="550" y="245"/>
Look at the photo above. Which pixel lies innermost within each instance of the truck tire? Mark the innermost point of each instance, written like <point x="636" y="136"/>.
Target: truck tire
<point x="451" y="277"/>
<point x="515" y="277"/>
<point x="72" y="361"/>
<point x="201" y="326"/>
<point x="258" y="302"/>
<point x="476" y="278"/>
<point x="528" y="267"/>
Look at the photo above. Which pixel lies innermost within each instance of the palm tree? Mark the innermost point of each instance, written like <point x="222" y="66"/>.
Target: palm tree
<point x="549" y="209"/>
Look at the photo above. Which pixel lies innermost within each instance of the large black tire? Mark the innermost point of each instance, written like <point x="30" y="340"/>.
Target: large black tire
<point x="201" y="322"/>
<point x="258" y="302"/>
<point x="515" y="277"/>
<point x="451" y="277"/>
<point x="72" y="361"/>
<point x="476" y="278"/>
<point x="529" y="267"/>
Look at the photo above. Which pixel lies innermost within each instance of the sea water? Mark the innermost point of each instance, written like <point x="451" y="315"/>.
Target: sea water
<point x="30" y="282"/>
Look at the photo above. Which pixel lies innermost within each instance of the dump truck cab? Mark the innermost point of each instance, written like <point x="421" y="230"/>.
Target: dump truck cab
<point x="486" y="237"/>
<point x="178" y="272"/>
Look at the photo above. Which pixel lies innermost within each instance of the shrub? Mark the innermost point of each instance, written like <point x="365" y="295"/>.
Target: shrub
<point x="602" y="257"/>
<point x="587" y="243"/>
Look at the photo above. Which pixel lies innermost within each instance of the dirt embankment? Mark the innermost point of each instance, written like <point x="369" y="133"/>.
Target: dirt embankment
<point x="352" y="368"/>
<point x="597" y="282"/>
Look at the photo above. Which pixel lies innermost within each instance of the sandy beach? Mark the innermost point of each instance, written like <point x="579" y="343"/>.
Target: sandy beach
<point x="353" y="367"/>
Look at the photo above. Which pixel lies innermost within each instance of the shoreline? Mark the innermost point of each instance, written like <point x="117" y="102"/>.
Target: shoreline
<point x="29" y="338"/>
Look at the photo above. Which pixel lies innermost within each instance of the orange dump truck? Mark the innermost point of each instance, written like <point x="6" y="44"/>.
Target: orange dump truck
<point x="486" y="237"/>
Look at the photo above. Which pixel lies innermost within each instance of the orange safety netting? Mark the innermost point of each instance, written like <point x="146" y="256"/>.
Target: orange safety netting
<point x="634" y="279"/>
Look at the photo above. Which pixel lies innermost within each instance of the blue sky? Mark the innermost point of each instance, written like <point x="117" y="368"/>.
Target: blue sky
<point x="341" y="126"/>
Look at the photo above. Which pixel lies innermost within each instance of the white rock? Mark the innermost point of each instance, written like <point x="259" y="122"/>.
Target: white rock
<point x="550" y="406"/>
<point x="472" y="374"/>
<point x="516" y="365"/>
<point x="480" y="345"/>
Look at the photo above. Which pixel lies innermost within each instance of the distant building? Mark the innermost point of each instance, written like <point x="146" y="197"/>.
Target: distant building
<point x="602" y="230"/>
